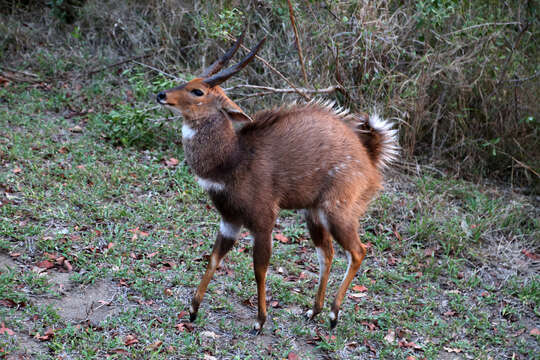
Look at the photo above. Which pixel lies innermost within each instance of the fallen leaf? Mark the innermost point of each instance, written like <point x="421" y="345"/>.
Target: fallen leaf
<point x="184" y="327"/>
<point x="449" y="313"/>
<point x="17" y="170"/>
<point x="359" y="288"/>
<point x="371" y="326"/>
<point x="151" y="255"/>
<point x="168" y="292"/>
<point x="154" y="346"/>
<point x="49" y="333"/>
<point x="67" y="266"/>
<point x="171" y="162"/>
<point x="5" y="330"/>
<point x="392" y="260"/>
<point x="410" y="357"/>
<point x="181" y="314"/>
<point x="45" y="264"/>
<point x="396" y="233"/>
<point x="8" y="303"/>
<point x="119" y="351"/>
<point x="281" y="238"/>
<point x="370" y="347"/>
<point x="292" y="356"/>
<point x="527" y="253"/>
<point x="429" y="251"/>
<point x="130" y="340"/>
<point x="409" y="344"/>
<point x="535" y="332"/>
<point x="390" y="336"/>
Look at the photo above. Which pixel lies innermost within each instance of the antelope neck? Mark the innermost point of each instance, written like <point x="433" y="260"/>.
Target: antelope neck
<point x="213" y="151"/>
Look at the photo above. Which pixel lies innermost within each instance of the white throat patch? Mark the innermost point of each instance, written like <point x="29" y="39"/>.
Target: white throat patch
<point x="187" y="131"/>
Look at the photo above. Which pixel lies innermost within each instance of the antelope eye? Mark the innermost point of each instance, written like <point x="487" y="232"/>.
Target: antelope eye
<point x="197" y="92"/>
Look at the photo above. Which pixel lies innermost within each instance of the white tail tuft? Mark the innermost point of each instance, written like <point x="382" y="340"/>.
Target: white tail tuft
<point x="389" y="146"/>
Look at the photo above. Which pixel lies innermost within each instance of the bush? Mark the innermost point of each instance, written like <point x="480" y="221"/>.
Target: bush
<point x="461" y="78"/>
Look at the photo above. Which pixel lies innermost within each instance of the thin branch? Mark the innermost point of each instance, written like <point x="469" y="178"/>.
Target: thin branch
<point x="270" y="90"/>
<point x="524" y="79"/>
<point x="119" y="63"/>
<point x="481" y="25"/>
<point x="159" y="71"/>
<point x="276" y="72"/>
<point x="298" y="47"/>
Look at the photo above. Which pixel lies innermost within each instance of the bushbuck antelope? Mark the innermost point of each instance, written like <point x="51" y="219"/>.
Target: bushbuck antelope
<point x="302" y="156"/>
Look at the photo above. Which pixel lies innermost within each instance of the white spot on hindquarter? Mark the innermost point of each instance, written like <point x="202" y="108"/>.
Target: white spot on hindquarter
<point x="323" y="219"/>
<point x="257" y="326"/>
<point x="309" y="313"/>
<point x="210" y="185"/>
<point x="228" y="230"/>
<point x="322" y="262"/>
<point x="188" y="132"/>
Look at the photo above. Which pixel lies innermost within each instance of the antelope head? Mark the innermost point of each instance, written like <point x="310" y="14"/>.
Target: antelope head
<point x="202" y="97"/>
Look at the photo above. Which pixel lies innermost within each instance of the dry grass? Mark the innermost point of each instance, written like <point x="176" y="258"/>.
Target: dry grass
<point x="460" y="78"/>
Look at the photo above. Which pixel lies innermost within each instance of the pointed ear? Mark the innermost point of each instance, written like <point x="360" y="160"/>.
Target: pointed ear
<point x="233" y="111"/>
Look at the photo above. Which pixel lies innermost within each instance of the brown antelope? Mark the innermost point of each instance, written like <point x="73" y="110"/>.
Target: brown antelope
<point x="305" y="156"/>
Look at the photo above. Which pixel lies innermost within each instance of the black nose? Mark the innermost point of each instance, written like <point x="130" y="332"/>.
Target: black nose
<point x="161" y="97"/>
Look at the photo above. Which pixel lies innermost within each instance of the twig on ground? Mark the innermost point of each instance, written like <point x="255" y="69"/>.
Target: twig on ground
<point x="298" y="47"/>
<point x="11" y="76"/>
<point x="26" y="73"/>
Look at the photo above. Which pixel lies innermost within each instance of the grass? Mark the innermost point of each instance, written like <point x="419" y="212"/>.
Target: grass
<point x="445" y="273"/>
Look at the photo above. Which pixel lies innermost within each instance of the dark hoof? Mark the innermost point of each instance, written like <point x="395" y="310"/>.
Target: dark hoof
<point x="256" y="329"/>
<point x="333" y="320"/>
<point x="192" y="317"/>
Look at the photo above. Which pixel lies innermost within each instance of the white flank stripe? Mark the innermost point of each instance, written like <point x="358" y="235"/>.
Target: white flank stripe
<point x="210" y="185"/>
<point x="188" y="132"/>
<point x="228" y="230"/>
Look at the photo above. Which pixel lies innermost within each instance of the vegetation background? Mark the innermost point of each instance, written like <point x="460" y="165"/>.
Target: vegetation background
<point x="461" y="77"/>
<point x="99" y="215"/>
